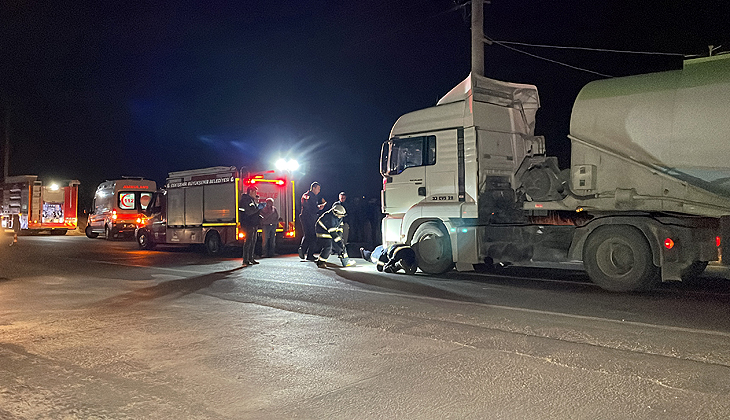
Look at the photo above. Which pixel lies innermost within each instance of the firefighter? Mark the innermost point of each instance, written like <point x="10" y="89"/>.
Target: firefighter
<point x="329" y="236"/>
<point x="249" y="216"/>
<point x="312" y="204"/>
<point x="397" y="257"/>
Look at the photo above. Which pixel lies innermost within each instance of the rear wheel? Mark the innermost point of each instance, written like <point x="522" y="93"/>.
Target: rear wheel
<point x="432" y="246"/>
<point x="213" y="244"/>
<point x="143" y="240"/>
<point x="90" y="233"/>
<point x="619" y="259"/>
<point x="59" y="231"/>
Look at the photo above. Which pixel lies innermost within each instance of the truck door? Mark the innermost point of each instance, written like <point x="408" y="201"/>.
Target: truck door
<point x="404" y="162"/>
<point x="158" y="212"/>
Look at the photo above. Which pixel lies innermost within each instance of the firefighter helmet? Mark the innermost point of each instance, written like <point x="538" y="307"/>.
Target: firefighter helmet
<point x="339" y="210"/>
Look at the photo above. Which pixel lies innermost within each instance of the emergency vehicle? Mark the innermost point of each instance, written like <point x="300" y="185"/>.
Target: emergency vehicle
<point x="41" y="207"/>
<point x="118" y="205"/>
<point x="200" y="206"/>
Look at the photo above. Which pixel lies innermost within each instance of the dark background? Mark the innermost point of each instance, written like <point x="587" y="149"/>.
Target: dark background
<point x="94" y="91"/>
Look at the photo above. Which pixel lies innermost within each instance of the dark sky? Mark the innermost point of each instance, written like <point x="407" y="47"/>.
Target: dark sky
<point x="103" y="89"/>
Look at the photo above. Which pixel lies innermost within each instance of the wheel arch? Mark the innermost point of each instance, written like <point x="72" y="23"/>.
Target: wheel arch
<point x="418" y="222"/>
<point x="647" y="226"/>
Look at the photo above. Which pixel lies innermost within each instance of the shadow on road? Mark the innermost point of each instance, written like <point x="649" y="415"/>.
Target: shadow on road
<point x="401" y="283"/>
<point x="170" y="288"/>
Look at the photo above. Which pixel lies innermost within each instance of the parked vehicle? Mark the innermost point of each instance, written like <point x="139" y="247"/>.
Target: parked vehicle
<point x="117" y="207"/>
<point x="468" y="183"/>
<point x="200" y="206"/>
<point x="40" y="206"/>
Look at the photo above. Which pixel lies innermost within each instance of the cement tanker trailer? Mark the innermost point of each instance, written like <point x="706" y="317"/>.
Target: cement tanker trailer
<point x="467" y="183"/>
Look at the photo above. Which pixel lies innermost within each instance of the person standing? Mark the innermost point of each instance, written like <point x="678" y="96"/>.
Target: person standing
<point x="346" y="220"/>
<point x="269" y="222"/>
<point x="16" y="229"/>
<point x="311" y="205"/>
<point x="248" y="214"/>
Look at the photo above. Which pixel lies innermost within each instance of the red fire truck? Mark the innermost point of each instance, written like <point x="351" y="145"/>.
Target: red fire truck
<point x="200" y="206"/>
<point x="50" y="207"/>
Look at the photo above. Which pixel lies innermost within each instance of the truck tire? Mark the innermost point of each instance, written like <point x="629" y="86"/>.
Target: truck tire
<point x="89" y="233"/>
<point x="619" y="259"/>
<point x="143" y="239"/>
<point x="213" y="244"/>
<point x="59" y="232"/>
<point x="432" y="246"/>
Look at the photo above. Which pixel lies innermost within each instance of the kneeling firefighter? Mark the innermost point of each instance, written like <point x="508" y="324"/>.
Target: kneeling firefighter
<point x="329" y="236"/>
<point x="399" y="256"/>
<point x="396" y="257"/>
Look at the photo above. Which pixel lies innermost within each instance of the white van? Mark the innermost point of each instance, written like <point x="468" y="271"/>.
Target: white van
<point x="117" y="206"/>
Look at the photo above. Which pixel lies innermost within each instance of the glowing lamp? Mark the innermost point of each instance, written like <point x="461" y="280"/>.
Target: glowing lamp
<point x="668" y="243"/>
<point x="287" y="165"/>
<point x="718" y="241"/>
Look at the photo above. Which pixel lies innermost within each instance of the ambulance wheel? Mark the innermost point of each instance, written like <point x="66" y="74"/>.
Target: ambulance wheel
<point x="143" y="240"/>
<point x="213" y="244"/>
<point x="619" y="259"/>
<point x="432" y="246"/>
<point x="108" y="233"/>
<point x="90" y="233"/>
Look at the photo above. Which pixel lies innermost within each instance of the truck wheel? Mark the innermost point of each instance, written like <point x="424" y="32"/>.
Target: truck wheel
<point x="619" y="259"/>
<point x="213" y="245"/>
<point x="691" y="273"/>
<point x="59" y="231"/>
<point x="90" y="233"/>
<point x="143" y="240"/>
<point x="433" y="248"/>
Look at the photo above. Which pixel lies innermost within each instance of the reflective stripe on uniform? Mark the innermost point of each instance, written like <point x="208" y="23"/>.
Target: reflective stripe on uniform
<point x="324" y="235"/>
<point x="322" y="224"/>
<point x="337" y="239"/>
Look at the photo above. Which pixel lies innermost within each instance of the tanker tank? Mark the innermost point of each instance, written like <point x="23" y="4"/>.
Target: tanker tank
<point x="676" y="121"/>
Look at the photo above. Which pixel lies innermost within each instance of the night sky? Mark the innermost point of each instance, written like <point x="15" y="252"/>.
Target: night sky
<point x="94" y="91"/>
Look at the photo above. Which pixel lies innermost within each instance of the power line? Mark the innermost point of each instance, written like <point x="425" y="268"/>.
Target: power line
<point x="524" y="44"/>
<point x="502" y="44"/>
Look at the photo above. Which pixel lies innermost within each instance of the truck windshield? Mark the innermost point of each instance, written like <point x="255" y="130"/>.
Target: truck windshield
<point x="401" y="154"/>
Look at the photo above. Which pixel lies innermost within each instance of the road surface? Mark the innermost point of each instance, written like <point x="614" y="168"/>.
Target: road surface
<point x="99" y="329"/>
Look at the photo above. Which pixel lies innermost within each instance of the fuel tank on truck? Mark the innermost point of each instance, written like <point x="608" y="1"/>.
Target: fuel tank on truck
<point x="678" y="121"/>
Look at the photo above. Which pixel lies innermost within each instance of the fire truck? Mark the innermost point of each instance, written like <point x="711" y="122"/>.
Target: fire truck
<point x="200" y="206"/>
<point x="49" y="207"/>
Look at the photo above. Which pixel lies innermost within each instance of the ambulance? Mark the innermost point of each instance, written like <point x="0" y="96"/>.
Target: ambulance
<point x="117" y="206"/>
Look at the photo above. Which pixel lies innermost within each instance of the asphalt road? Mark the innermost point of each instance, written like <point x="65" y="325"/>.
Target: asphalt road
<point x="100" y="329"/>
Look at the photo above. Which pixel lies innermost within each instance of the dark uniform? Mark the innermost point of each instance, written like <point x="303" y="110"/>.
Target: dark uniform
<point x="248" y="215"/>
<point x="399" y="256"/>
<point x="308" y="216"/>
<point x="329" y="235"/>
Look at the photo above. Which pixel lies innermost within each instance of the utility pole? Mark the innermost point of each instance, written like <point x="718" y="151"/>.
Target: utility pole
<point x="477" y="37"/>
<point x="6" y="130"/>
